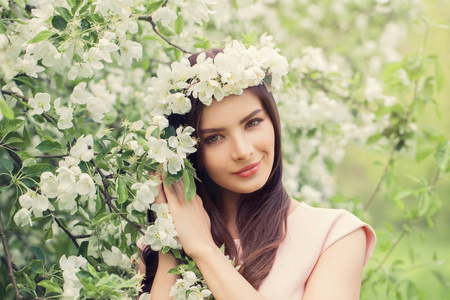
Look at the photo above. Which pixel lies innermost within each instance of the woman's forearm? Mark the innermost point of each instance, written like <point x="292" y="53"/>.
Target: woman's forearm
<point x="223" y="280"/>
<point x="164" y="281"/>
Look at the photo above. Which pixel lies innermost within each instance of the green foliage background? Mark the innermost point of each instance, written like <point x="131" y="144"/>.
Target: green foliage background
<point x="425" y="249"/>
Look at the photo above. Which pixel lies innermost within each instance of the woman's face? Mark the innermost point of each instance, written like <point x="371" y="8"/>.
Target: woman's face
<point x="238" y="141"/>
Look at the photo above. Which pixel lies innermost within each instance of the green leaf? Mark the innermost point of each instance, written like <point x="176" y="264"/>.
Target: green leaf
<point x="29" y="162"/>
<point x="48" y="233"/>
<point x="441" y="278"/>
<point x="50" y="286"/>
<point x="20" y="3"/>
<point x="38" y="253"/>
<point x="85" y="24"/>
<point x="152" y="7"/>
<point x="121" y="190"/>
<point x="176" y="253"/>
<point x="42" y="36"/>
<point x="7" y="126"/>
<point x="47" y="146"/>
<point x="32" y="83"/>
<point x="65" y="13"/>
<point x="140" y="168"/>
<point x="165" y="30"/>
<point x="6" y="164"/>
<point x="102" y="218"/>
<point x="83" y="249"/>
<point x="59" y="23"/>
<point x="203" y="44"/>
<point x="188" y="185"/>
<point x="179" y="24"/>
<point x="6" y="109"/>
<point x="37" y="169"/>
<point x="14" y="139"/>
<point x="442" y="156"/>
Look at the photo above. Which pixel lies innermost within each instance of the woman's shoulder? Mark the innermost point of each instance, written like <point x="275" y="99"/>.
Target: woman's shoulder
<point x="325" y="226"/>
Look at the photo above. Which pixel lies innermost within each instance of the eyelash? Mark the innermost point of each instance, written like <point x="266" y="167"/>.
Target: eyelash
<point x="249" y="124"/>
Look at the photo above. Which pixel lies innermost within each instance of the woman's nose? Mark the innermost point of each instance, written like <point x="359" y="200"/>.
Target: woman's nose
<point x="241" y="148"/>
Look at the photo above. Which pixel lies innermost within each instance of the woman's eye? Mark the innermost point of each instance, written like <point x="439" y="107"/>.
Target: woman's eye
<point x="252" y="123"/>
<point x="212" y="139"/>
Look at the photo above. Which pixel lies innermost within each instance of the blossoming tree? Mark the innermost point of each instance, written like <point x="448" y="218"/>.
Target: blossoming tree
<point x="83" y="123"/>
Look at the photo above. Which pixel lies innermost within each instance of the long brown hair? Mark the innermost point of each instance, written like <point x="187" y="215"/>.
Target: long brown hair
<point x="259" y="238"/>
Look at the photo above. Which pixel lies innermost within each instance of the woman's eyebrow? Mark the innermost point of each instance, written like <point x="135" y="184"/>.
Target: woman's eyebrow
<point x="248" y="117"/>
<point x="256" y="111"/>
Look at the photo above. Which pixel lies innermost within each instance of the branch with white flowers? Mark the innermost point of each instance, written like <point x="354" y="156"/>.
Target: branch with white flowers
<point x="69" y="234"/>
<point x="25" y="99"/>
<point x="108" y="199"/>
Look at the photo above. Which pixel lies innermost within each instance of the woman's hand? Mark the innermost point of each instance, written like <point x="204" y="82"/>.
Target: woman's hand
<point x="191" y="220"/>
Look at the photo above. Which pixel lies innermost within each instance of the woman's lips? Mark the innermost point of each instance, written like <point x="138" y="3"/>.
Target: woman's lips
<point x="248" y="171"/>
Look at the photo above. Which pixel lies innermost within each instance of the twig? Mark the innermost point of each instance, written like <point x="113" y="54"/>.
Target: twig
<point x="8" y="259"/>
<point x="70" y="235"/>
<point x="51" y="156"/>
<point x="108" y="199"/>
<point x="394" y="245"/>
<point x="385" y="172"/>
<point x="155" y="29"/>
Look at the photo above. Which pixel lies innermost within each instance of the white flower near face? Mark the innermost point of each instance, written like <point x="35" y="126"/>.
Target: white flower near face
<point x="115" y="258"/>
<point x="165" y="15"/>
<point x="49" y="185"/>
<point x="85" y="185"/>
<point x="183" y="142"/>
<point x="40" y="103"/>
<point x="83" y="148"/>
<point x="173" y="164"/>
<point x="23" y="217"/>
<point x="179" y="104"/>
<point x="145" y="194"/>
<point x="68" y="162"/>
<point x="65" y="115"/>
<point x="158" y="149"/>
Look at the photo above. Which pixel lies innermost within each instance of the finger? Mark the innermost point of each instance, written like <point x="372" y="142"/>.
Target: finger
<point x="170" y="194"/>
<point x="161" y="197"/>
<point x="179" y="191"/>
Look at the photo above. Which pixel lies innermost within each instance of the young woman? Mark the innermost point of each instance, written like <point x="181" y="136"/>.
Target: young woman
<point x="287" y="250"/>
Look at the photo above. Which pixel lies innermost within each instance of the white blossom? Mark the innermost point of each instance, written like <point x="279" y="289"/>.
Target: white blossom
<point x="83" y="149"/>
<point x="40" y="103"/>
<point x="23" y="217"/>
<point x="145" y="194"/>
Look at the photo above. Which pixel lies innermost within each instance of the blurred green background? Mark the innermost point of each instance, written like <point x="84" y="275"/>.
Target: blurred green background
<point x="358" y="174"/>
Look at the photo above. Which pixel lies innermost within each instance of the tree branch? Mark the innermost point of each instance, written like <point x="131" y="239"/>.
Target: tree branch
<point x="155" y="29"/>
<point x="108" y="199"/>
<point x="383" y="261"/>
<point x="378" y="187"/>
<point x="8" y="259"/>
<point x="70" y="235"/>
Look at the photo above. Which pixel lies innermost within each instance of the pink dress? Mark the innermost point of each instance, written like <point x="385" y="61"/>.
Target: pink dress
<point x="310" y="232"/>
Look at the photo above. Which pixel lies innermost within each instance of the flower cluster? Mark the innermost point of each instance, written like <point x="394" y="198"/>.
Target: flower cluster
<point x="71" y="266"/>
<point x="162" y="233"/>
<point x="228" y="73"/>
<point x="189" y="287"/>
<point x="31" y="202"/>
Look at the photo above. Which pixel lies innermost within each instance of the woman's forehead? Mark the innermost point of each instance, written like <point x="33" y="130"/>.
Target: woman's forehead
<point x="231" y="109"/>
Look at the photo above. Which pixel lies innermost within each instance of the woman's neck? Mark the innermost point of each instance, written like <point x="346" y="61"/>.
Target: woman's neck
<point x="228" y="207"/>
